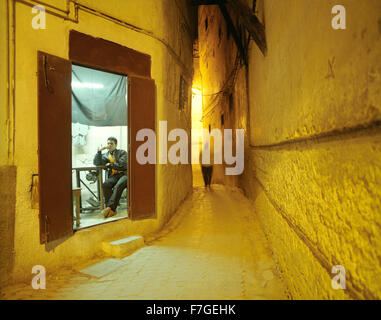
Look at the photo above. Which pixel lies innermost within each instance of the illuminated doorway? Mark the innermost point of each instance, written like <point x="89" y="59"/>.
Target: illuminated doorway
<point x="99" y="113"/>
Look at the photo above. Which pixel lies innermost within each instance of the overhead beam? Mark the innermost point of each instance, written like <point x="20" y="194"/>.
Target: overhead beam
<point x="233" y="30"/>
<point x="251" y="23"/>
<point x="206" y="2"/>
<point x="246" y="16"/>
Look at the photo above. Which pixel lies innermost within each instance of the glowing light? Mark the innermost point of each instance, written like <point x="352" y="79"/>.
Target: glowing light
<point x="196" y="123"/>
<point x="86" y="85"/>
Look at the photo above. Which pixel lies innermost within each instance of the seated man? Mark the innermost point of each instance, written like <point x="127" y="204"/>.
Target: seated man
<point x="115" y="161"/>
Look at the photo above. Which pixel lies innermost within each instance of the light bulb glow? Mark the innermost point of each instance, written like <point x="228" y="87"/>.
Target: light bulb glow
<point x="76" y="84"/>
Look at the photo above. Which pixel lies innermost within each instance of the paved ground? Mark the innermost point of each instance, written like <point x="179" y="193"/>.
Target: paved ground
<point x="213" y="249"/>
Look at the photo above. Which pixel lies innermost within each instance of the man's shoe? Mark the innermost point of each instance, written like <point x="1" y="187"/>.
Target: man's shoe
<point x="106" y="212"/>
<point x="111" y="213"/>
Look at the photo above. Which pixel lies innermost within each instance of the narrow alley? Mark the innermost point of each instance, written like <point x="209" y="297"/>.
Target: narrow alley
<point x="214" y="248"/>
<point x="190" y="150"/>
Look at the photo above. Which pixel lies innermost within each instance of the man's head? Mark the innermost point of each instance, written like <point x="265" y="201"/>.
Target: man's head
<point x="111" y="143"/>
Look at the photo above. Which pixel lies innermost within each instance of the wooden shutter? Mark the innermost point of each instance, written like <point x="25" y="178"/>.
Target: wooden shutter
<point x="142" y="105"/>
<point x="54" y="147"/>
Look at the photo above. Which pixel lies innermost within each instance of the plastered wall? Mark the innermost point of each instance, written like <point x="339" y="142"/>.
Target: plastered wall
<point x="322" y="83"/>
<point x="312" y="155"/>
<point x="3" y="85"/>
<point x="167" y="36"/>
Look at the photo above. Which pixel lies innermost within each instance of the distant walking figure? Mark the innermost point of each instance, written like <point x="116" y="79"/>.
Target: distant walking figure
<point x="207" y="167"/>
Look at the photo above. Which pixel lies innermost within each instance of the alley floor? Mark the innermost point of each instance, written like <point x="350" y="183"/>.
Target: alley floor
<point x="214" y="248"/>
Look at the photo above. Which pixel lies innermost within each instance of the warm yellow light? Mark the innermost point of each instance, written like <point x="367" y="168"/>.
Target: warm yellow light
<point x="196" y="122"/>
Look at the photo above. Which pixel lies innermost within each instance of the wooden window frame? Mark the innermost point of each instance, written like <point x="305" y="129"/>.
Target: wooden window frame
<point x="106" y="56"/>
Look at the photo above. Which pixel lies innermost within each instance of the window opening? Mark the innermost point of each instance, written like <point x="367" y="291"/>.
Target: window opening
<point x="254" y="5"/>
<point x="231" y="105"/>
<point x="183" y="93"/>
<point x="219" y="34"/>
<point x="99" y="146"/>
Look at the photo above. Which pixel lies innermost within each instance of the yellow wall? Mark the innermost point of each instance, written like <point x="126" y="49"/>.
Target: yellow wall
<point x="3" y="84"/>
<point x="319" y="198"/>
<point x="316" y="80"/>
<point x="165" y="38"/>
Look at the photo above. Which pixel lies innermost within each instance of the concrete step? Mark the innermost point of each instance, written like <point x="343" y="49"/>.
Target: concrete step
<point x="123" y="247"/>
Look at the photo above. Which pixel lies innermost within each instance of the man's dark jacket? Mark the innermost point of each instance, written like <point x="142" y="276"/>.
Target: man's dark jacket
<point x="120" y="163"/>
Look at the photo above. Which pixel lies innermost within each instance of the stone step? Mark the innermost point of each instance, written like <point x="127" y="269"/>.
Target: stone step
<point x="123" y="247"/>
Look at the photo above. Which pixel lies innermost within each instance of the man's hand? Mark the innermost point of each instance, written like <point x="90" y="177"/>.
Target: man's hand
<point x="102" y="148"/>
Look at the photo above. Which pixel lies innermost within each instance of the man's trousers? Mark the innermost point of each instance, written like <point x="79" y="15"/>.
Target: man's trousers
<point x="113" y="188"/>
